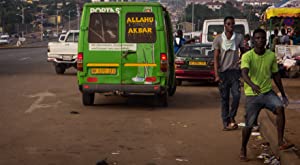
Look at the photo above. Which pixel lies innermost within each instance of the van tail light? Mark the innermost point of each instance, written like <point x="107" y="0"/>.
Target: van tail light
<point x="92" y="79"/>
<point x="163" y="62"/>
<point x="80" y="61"/>
<point x="150" y="79"/>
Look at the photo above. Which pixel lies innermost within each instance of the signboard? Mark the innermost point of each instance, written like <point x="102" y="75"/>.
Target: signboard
<point x="140" y="28"/>
<point x="287" y="51"/>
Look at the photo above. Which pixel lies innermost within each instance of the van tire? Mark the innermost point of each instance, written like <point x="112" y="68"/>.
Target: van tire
<point x="60" y="69"/>
<point x="162" y="99"/>
<point x="178" y="82"/>
<point x="88" y="98"/>
<point x="172" y="90"/>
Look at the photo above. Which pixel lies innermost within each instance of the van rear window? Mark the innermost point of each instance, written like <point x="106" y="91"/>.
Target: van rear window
<point x="103" y="28"/>
<point x="218" y="29"/>
<point x="140" y="28"/>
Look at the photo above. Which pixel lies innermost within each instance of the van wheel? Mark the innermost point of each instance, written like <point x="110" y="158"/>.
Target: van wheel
<point x="88" y="98"/>
<point x="162" y="99"/>
<point x="178" y="82"/>
<point x="60" y="69"/>
<point x="172" y="90"/>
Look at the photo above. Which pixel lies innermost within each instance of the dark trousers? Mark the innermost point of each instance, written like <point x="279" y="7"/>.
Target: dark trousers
<point x="230" y="83"/>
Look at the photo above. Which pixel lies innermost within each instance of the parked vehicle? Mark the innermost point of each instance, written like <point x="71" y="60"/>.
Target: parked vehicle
<point x="126" y="48"/>
<point x="63" y="54"/>
<point x="61" y="37"/>
<point x="213" y="27"/>
<point x="194" y="62"/>
<point x="4" y="39"/>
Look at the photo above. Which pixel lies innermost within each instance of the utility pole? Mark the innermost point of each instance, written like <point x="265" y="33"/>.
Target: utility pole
<point x="69" y="19"/>
<point x="192" y="16"/>
<point x="78" y="16"/>
<point x="23" y="21"/>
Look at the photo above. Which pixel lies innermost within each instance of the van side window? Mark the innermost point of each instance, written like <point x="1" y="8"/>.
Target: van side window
<point x="103" y="28"/>
<point x="140" y="28"/>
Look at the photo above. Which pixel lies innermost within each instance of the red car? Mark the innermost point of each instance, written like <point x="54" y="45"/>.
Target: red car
<point x="195" y="62"/>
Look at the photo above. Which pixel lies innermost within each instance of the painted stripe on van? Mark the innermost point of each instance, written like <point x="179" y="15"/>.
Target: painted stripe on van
<point x="101" y="64"/>
<point x="139" y="64"/>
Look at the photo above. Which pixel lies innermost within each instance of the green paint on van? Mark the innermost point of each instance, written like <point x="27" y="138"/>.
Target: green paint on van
<point x="125" y="48"/>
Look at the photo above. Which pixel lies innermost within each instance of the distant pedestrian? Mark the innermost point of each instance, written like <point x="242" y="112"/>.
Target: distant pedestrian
<point x="178" y="41"/>
<point x="284" y="39"/>
<point x="227" y="71"/>
<point x="275" y="40"/>
<point x="258" y="66"/>
<point x="247" y="42"/>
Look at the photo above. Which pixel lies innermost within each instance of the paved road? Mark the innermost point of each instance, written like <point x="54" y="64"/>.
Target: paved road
<point x="42" y="121"/>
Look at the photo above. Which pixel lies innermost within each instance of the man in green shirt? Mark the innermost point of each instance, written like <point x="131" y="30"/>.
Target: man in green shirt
<point x="259" y="66"/>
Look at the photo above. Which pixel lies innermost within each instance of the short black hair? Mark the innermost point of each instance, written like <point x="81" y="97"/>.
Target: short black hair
<point x="283" y="31"/>
<point x="228" y="17"/>
<point x="276" y="31"/>
<point x="259" y="30"/>
<point x="247" y="36"/>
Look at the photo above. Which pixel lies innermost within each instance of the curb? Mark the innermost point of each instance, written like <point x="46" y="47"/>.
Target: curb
<point x="269" y="131"/>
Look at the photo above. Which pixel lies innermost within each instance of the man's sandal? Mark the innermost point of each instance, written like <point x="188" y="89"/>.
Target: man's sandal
<point x="243" y="158"/>
<point x="286" y="146"/>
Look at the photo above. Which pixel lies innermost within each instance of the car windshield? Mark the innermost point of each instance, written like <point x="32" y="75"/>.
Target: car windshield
<point x="196" y="51"/>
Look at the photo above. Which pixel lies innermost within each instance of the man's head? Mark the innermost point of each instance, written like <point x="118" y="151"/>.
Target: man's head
<point x="229" y="23"/>
<point x="259" y="38"/>
<point x="276" y="32"/>
<point x="247" y="37"/>
<point x="283" y="32"/>
<point x="179" y="33"/>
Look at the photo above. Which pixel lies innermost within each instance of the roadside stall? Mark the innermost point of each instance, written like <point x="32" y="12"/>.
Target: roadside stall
<point x="288" y="56"/>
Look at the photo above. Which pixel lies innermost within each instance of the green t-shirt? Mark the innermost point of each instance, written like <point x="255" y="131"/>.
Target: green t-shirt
<point x="260" y="68"/>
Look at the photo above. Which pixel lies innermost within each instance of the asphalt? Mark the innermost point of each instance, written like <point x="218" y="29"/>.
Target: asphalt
<point x="29" y="45"/>
<point x="269" y="131"/>
<point x="267" y="123"/>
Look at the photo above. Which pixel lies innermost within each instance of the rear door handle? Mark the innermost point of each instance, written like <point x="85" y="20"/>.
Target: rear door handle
<point x="127" y="52"/>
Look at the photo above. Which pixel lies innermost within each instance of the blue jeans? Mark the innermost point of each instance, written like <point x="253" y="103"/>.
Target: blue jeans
<point x="254" y="104"/>
<point x="230" y="84"/>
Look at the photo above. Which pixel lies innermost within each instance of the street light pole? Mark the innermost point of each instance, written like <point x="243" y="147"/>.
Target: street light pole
<point x="57" y="22"/>
<point x="42" y="18"/>
<point x="69" y="19"/>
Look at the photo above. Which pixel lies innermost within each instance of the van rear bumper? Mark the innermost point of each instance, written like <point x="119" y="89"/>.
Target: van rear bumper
<point x="103" y="88"/>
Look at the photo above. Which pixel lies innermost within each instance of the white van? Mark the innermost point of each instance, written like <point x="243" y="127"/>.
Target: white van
<point x="213" y="27"/>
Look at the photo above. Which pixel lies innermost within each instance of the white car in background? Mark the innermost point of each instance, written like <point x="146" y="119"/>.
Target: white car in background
<point x="4" y="39"/>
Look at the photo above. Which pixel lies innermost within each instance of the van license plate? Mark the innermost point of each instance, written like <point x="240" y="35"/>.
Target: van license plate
<point x="104" y="70"/>
<point x="197" y="63"/>
<point x="67" y="58"/>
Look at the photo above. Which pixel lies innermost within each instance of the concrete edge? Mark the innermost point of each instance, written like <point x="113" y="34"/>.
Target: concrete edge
<point x="23" y="47"/>
<point x="269" y="131"/>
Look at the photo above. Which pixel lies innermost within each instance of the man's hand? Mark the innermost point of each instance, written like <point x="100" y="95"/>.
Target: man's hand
<point x="255" y="89"/>
<point x="217" y="78"/>
<point x="285" y="101"/>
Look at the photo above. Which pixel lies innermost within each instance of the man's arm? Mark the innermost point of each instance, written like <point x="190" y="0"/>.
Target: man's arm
<point x="278" y="82"/>
<point x="216" y="64"/>
<point x="255" y="88"/>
